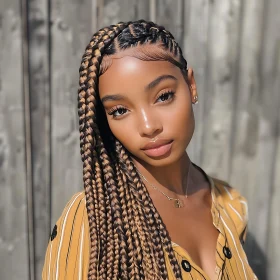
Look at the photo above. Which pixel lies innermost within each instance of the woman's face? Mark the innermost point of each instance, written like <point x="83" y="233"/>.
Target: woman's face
<point x="148" y="105"/>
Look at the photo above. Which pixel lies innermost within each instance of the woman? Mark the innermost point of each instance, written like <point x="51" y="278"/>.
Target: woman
<point x="147" y="212"/>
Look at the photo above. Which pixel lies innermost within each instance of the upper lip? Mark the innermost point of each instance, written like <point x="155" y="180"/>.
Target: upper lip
<point x="156" y="144"/>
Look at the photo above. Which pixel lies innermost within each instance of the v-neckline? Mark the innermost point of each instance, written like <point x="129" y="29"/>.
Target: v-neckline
<point x="215" y="212"/>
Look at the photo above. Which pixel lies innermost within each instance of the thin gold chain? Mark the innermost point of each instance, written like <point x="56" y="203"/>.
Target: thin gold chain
<point x="178" y="202"/>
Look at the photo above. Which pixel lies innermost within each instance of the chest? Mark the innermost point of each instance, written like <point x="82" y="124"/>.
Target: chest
<point x="191" y="227"/>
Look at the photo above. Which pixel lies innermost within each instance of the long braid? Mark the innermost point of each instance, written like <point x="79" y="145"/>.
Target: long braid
<point x="159" y="233"/>
<point x="127" y="235"/>
<point x="140" y="224"/>
<point x="88" y="128"/>
<point x="129" y="226"/>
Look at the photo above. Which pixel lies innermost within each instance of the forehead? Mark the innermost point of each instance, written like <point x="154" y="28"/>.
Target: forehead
<point x="129" y="73"/>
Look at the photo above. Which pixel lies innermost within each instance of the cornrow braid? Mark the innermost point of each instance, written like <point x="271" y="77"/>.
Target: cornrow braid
<point x="127" y="235"/>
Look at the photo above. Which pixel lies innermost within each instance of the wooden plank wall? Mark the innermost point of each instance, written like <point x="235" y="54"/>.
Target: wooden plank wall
<point x="234" y="48"/>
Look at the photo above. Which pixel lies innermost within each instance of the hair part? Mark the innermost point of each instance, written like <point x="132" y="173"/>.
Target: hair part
<point x="146" y="52"/>
<point x="128" y="238"/>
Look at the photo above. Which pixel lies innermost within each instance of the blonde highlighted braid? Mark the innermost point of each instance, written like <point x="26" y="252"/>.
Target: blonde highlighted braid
<point x="127" y="236"/>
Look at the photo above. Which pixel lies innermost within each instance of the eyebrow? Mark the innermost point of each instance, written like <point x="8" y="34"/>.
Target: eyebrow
<point x="114" y="97"/>
<point x="159" y="79"/>
<point x="151" y="85"/>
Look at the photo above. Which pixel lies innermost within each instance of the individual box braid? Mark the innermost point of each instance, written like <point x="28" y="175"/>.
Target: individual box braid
<point x="127" y="235"/>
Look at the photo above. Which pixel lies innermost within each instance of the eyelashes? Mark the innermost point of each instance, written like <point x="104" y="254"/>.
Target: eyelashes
<point x="166" y="96"/>
<point x="119" y="110"/>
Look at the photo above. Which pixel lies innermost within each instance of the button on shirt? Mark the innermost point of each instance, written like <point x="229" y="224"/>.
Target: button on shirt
<point x="229" y="213"/>
<point x="67" y="255"/>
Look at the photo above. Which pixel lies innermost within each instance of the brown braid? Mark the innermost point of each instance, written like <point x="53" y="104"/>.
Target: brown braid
<point x="127" y="236"/>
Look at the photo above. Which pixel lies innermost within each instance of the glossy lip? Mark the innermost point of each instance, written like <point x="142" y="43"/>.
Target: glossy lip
<point x="156" y="144"/>
<point x="159" y="148"/>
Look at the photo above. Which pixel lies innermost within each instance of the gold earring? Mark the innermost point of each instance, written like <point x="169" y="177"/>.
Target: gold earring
<point x="195" y="99"/>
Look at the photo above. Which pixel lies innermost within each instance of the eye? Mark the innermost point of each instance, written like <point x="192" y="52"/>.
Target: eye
<point x="117" y="111"/>
<point x="167" y="96"/>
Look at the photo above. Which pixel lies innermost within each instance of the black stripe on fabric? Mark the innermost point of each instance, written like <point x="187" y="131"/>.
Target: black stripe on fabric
<point x="220" y="256"/>
<point x="228" y="265"/>
<point x="229" y="261"/>
<point x="199" y="272"/>
<point x="72" y="229"/>
<point x="191" y="275"/>
<point x="238" y="267"/>
<point x="222" y="272"/>
<point x="225" y="275"/>
<point x="232" y="274"/>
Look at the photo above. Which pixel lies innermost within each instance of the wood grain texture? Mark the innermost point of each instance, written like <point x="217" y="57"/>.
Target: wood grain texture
<point x="38" y="19"/>
<point x="253" y="150"/>
<point x="13" y="206"/>
<point x="234" y="48"/>
<point x="271" y="112"/>
<point x="170" y="14"/>
<point x="219" y="85"/>
<point x="195" y="49"/>
<point x="114" y="11"/>
<point x="70" y="33"/>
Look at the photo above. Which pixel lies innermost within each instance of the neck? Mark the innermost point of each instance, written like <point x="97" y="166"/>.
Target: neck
<point x="173" y="177"/>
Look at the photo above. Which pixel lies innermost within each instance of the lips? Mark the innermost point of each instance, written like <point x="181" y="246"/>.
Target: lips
<point x="156" y="144"/>
<point x="158" y="148"/>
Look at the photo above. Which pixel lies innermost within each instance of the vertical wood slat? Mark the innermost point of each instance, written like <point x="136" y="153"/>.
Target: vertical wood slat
<point x="14" y="253"/>
<point x="195" y="48"/>
<point x="123" y="10"/>
<point x="28" y="145"/>
<point x="219" y="86"/>
<point x="251" y="153"/>
<point x="234" y="49"/>
<point x="271" y="114"/>
<point x="38" y="33"/>
<point x="153" y="10"/>
<point x="168" y="9"/>
<point x="273" y="229"/>
<point x="70" y="33"/>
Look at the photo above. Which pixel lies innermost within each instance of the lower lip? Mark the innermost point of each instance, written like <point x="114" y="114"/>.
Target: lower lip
<point x="160" y="151"/>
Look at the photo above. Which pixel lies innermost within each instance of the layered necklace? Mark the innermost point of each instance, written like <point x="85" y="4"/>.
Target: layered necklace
<point x="178" y="203"/>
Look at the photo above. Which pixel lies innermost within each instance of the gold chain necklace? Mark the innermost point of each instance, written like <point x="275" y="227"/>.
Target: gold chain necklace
<point x="178" y="203"/>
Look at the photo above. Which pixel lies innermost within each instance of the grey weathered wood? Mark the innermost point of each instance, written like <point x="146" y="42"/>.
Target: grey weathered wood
<point x="13" y="205"/>
<point x="115" y="11"/>
<point x="271" y="114"/>
<point x="234" y="49"/>
<point x="70" y="31"/>
<point x="28" y="140"/>
<point x="195" y="47"/>
<point x="218" y="89"/>
<point x="273" y="252"/>
<point x="170" y="14"/>
<point x="38" y="19"/>
<point x="253" y="140"/>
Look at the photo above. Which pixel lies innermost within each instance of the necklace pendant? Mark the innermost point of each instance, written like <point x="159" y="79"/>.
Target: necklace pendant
<point x="178" y="203"/>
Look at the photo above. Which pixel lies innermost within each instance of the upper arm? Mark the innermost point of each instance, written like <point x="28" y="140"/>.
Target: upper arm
<point x="237" y="209"/>
<point x="67" y="252"/>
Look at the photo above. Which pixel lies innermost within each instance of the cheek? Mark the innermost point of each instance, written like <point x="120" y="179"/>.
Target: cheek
<point x="124" y="131"/>
<point x="179" y="118"/>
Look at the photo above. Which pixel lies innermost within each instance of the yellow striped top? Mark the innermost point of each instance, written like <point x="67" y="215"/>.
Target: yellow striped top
<point x="67" y="255"/>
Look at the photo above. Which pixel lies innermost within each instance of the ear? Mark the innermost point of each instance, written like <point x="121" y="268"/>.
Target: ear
<point x="192" y="86"/>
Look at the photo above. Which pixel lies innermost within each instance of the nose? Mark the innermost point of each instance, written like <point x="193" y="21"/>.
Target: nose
<point x="149" y="124"/>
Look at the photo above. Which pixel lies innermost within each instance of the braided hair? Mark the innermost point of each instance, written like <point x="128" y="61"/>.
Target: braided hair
<point x="128" y="239"/>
